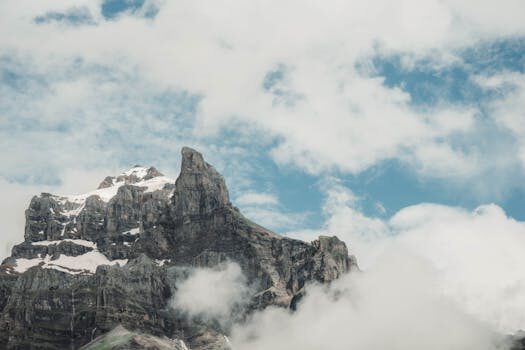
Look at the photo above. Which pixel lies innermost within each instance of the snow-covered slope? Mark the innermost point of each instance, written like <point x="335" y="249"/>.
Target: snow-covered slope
<point x="136" y="176"/>
<point x="85" y="263"/>
<point x="77" y="233"/>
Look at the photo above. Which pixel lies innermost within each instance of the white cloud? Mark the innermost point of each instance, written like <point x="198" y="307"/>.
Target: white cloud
<point x="254" y="198"/>
<point x="476" y="255"/>
<point x="509" y="110"/>
<point x="394" y="305"/>
<point x="274" y="218"/>
<point x="365" y="236"/>
<point x="212" y="293"/>
<point x="12" y="214"/>
<point x="341" y="209"/>
<point x="339" y="118"/>
<point x="266" y="210"/>
<point x="479" y="254"/>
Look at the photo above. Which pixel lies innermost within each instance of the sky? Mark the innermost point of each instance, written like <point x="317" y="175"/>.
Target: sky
<point x="373" y="120"/>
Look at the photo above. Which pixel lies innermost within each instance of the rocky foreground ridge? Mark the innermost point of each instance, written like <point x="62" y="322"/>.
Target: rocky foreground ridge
<point x="110" y="260"/>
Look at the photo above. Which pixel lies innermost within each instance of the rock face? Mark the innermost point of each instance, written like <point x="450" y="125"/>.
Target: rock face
<point x="111" y="257"/>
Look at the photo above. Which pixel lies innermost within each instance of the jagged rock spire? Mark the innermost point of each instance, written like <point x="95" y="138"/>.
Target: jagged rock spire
<point x="199" y="189"/>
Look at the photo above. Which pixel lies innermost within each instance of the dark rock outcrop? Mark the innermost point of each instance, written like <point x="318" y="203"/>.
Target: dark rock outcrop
<point x="58" y="290"/>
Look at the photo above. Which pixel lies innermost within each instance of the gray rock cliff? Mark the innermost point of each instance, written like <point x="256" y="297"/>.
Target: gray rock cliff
<point x="90" y="263"/>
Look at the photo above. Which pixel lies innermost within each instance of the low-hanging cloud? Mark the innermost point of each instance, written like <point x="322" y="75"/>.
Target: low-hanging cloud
<point x="396" y="305"/>
<point x="479" y="253"/>
<point x="212" y="293"/>
<point x="476" y="255"/>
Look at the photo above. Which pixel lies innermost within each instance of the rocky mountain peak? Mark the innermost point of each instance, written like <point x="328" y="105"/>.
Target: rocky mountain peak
<point x="192" y="160"/>
<point x="116" y="255"/>
<point x="199" y="189"/>
<point x="134" y="175"/>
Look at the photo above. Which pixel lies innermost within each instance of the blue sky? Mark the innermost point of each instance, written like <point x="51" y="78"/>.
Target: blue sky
<point x="398" y="117"/>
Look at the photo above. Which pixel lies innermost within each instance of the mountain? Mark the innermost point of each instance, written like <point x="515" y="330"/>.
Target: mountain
<point x="114" y="257"/>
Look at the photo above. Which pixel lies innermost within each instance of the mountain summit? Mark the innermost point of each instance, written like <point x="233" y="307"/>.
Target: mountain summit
<point x="136" y="174"/>
<point x="115" y="257"/>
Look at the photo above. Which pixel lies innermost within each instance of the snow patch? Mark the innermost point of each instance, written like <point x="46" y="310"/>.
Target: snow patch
<point x="161" y="262"/>
<point x="89" y="261"/>
<point x="81" y="242"/>
<point x="22" y="264"/>
<point x="133" y="231"/>
<point x="105" y="194"/>
<point x="138" y="171"/>
<point x="154" y="184"/>
<point x="85" y="263"/>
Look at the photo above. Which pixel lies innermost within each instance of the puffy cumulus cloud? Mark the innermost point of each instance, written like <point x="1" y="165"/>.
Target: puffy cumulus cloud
<point x="395" y="305"/>
<point x="363" y="123"/>
<point x="212" y="293"/>
<point x="479" y="254"/>
<point x="475" y="256"/>
<point x="318" y="111"/>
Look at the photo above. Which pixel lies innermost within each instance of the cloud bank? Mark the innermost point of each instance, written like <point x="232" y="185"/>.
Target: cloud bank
<point x="476" y="256"/>
<point x="479" y="254"/>
<point x="394" y="305"/>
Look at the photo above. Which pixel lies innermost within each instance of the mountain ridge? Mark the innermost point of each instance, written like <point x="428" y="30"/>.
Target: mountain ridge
<point x="92" y="262"/>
